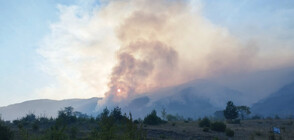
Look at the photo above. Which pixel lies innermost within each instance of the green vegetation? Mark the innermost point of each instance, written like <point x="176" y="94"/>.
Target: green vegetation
<point x="230" y="132"/>
<point x="231" y="111"/>
<point x="71" y="125"/>
<point x="177" y="117"/>
<point x="5" y="132"/>
<point x="153" y="119"/>
<point x="218" y="126"/>
<point x="116" y="125"/>
<point x="205" y="129"/>
<point x="205" y="122"/>
<point x="243" y="111"/>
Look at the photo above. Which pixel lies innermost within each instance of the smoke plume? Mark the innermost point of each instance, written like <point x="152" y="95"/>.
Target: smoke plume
<point x="124" y="48"/>
<point x="165" y="43"/>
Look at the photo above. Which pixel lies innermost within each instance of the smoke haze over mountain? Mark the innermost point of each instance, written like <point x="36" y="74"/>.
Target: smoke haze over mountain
<point x="123" y="49"/>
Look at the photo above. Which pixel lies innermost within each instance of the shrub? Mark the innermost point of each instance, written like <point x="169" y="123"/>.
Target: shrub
<point x="218" y="126"/>
<point x="66" y="116"/>
<point x="215" y="138"/>
<point x="152" y="119"/>
<point x="136" y="122"/>
<point x="190" y="119"/>
<point x="277" y="117"/>
<point x="162" y="136"/>
<point x="205" y="122"/>
<point x="73" y="132"/>
<point x="205" y="129"/>
<point x="5" y="132"/>
<point x="173" y="124"/>
<point x="230" y="132"/>
<point x="237" y="121"/>
<point x="256" y="117"/>
<point x="35" y="126"/>
<point x="56" y="133"/>
<point x="258" y="133"/>
<point x="171" y="117"/>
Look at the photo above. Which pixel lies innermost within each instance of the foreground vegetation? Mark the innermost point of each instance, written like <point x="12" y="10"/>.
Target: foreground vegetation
<point x="70" y="125"/>
<point x="233" y="122"/>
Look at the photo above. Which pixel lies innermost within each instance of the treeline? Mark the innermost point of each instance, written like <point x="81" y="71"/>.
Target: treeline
<point x="112" y="124"/>
<point x="72" y="125"/>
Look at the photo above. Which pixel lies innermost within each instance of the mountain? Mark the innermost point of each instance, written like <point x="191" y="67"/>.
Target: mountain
<point x="48" y="108"/>
<point x="193" y="99"/>
<point x="279" y="103"/>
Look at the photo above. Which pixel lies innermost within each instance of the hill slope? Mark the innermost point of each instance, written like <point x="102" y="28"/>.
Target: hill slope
<point x="48" y="108"/>
<point x="193" y="99"/>
<point x="279" y="103"/>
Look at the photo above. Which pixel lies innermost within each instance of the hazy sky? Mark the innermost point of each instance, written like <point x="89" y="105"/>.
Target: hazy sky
<point x="31" y="30"/>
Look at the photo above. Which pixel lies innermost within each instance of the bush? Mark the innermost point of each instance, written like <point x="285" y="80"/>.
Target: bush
<point x="162" y="136"/>
<point x="5" y="132"/>
<point x="258" y="133"/>
<point x="152" y="119"/>
<point x="171" y="117"/>
<point x="256" y="117"/>
<point x="218" y="126"/>
<point x="35" y="126"/>
<point x="277" y="117"/>
<point x="205" y="122"/>
<point x="136" y="122"/>
<point x="73" y="132"/>
<point x="237" y="121"/>
<point x="29" y="118"/>
<point x="173" y="124"/>
<point x="66" y="116"/>
<point x="230" y="132"/>
<point x="205" y="129"/>
<point x="56" y="133"/>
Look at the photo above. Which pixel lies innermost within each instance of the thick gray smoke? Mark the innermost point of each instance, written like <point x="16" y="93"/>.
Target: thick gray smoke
<point x="167" y="43"/>
<point x="125" y="48"/>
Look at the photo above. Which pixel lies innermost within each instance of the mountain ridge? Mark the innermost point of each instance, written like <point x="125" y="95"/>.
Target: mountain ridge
<point x="47" y="107"/>
<point x="278" y="103"/>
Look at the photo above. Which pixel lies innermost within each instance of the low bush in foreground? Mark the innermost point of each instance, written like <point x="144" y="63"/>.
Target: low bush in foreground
<point x="153" y="119"/>
<point x="218" y="126"/>
<point x="205" y="122"/>
<point x="230" y="132"/>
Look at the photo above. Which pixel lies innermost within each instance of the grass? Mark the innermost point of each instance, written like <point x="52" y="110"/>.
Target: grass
<point x="250" y="129"/>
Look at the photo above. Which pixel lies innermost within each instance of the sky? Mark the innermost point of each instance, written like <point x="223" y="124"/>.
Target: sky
<point x="60" y="49"/>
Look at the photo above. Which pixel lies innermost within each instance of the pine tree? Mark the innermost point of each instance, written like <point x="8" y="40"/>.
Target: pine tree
<point x="231" y="111"/>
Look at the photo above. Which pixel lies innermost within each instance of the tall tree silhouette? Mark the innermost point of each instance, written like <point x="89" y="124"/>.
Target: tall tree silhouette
<point x="231" y="111"/>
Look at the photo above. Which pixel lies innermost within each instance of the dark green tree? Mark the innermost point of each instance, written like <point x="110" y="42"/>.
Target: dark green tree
<point x="5" y="132"/>
<point x="105" y="113"/>
<point x="66" y="116"/>
<point x="152" y="119"/>
<point x="116" y="114"/>
<point x="243" y="111"/>
<point x="231" y="111"/>
<point x="205" y="122"/>
<point x="163" y="114"/>
<point x="107" y="127"/>
<point x="56" y="133"/>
